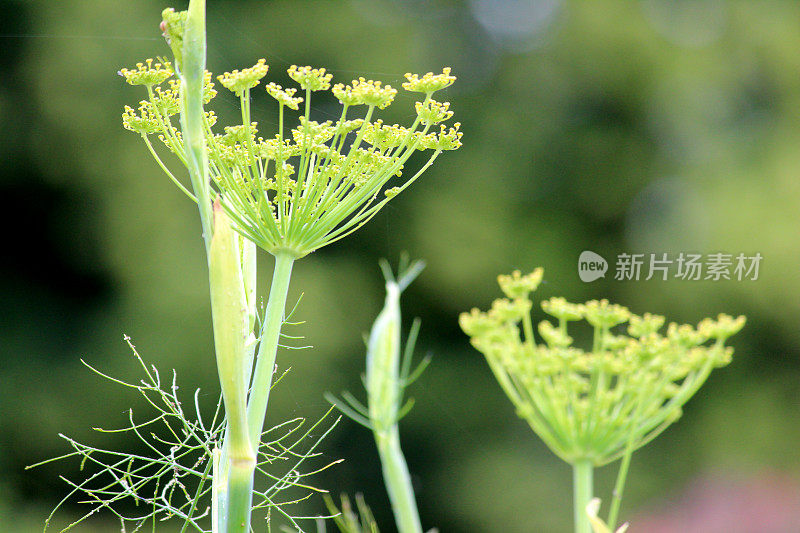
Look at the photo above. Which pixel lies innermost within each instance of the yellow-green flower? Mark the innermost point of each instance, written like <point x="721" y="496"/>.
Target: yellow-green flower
<point x="446" y="139"/>
<point x="240" y="81"/>
<point x="588" y="405"/>
<point x="143" y="122"/>
<point x="433" y="112"/>
<point x="309" y="183"/>
<point x="516" y="285"/>
<point x="430" y="82"/>
<point x="311" y="79"/>
<point x="284" y="96"/>
<point x="147" y="73"/>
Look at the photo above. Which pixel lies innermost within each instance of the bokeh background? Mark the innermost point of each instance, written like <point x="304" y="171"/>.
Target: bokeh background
<point x="615" y="126"/>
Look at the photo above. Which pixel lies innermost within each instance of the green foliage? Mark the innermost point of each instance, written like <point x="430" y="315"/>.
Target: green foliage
<point x="349" y="520"/>
<point x="173" y="481"/>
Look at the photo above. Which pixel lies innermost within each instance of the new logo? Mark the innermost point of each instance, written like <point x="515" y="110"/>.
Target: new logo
<point x="591" y="266"/>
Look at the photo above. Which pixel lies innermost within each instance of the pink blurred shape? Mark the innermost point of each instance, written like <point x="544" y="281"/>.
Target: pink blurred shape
<point x="768" y="502"/>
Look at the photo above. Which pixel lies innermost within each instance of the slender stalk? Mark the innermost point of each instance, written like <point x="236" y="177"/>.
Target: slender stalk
<point x="582" y="476"/>
<point x="619" y="486"/>
<point x="166" y="170"/>
<point x="398" y="481"/>
<point x="622" y="474"/>
<point x="268" y="348"/>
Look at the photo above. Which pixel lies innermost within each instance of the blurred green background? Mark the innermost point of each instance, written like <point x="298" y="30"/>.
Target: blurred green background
<point x="614" y="126"/>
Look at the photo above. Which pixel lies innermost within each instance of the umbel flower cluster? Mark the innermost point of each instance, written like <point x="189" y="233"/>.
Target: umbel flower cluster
<point x="310" y="184"/>
<point x="593" y="405"/>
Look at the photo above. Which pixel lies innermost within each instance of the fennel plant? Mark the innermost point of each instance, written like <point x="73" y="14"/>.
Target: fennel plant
<point x="388" y="373"/>
<point x="290" y="194"/>
<point x="593" y="407"/>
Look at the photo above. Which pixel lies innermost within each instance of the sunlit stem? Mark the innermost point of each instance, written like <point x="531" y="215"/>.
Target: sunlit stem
<point x="582" y="475"/>
<point x="230" y="311"/>
<point x="234" y="502"/>
<point x="240" y="493"/>
<point x="218" y="492"/>
<point x="398" y="481"/>
<point x="619" y="486"/>
<point x="268" y="348"/>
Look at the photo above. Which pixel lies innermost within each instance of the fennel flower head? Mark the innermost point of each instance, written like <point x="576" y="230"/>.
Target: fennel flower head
<point x="307" y="183"/>
<point x="594" y="404"/>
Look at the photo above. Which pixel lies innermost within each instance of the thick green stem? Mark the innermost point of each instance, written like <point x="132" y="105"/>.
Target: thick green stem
<point x="268" y="348"/>
<point x="398" y="481"/>
<point x="583" y="491"/>
<point x="233" y="469"/>
<point x="240" y="493"/>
